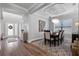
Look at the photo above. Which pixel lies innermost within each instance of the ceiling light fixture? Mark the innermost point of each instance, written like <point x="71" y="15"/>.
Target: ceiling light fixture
<point x="55" y="20"/>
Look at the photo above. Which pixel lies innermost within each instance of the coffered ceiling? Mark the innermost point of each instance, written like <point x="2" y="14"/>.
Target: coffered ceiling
<point x="59" y="9"/>
<point x="44" y="9"/>
<point x="24" y="7"/>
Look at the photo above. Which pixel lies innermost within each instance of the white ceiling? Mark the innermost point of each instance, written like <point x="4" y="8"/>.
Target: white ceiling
<point x="59" y="9"/>
<point x="43" y="9"/>
<point x="11" y="8"/>
<point x="25" y="5"/>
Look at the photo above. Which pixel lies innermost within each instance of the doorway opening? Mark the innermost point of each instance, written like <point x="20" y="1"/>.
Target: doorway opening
<point x="12" y="29"/>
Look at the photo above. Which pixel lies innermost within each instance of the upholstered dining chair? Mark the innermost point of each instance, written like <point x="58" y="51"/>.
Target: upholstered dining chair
<point x="56" y="38"/>
<point x="61" y="36"/>
<point x="47" y="37"/>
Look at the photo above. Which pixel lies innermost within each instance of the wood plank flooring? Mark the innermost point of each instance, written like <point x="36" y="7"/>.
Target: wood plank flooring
<point x="19" y="48"/>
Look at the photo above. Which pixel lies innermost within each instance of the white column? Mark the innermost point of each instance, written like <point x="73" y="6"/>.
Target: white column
<point x="78" y="20"/>
<point x="2" y="22"/>
<point x="0" y="28"/>
<point x="18" y="29"/>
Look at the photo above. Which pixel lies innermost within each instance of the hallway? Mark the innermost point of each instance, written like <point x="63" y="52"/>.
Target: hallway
<point x="15" y="47"/>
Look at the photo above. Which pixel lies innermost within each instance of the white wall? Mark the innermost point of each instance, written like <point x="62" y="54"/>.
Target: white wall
<point x="0" y="27"/>
<point x="34" y="33"/>
<point x="51" y="24"/>
<point x="10" y="17"/>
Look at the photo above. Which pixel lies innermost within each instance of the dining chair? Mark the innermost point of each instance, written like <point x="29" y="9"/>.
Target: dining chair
<point x="61" y="36"/>
<point x="56" y="38"/>
<point x="47" y="37"/>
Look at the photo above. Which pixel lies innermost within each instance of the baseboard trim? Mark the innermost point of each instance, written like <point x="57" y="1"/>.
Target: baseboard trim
<point x="36" y="40"/>
<point x="30" y="41"/>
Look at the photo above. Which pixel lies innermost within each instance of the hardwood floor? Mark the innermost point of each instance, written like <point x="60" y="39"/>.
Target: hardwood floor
<point x="19" y="48"/>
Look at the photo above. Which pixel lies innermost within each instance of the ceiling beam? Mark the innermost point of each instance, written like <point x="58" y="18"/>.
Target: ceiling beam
<point x="35" y="4"/>
<point x="38" y="7"/>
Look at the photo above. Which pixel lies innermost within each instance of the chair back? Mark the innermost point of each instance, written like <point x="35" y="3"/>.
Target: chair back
<point x="61" y="34"/>
<point x="47" y="34"/>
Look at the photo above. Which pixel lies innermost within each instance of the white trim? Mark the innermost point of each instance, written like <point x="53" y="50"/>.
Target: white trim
<point x="13" y="36"/>
<point x="29" y="41"/>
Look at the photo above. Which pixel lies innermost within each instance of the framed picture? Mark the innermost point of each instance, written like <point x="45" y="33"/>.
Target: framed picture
<point x="41" y="25"/>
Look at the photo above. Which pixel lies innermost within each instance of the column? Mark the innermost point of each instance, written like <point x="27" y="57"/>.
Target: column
<point x="18" y="29"/>
<point x="1" y="20"/>
<point x="14" y="29"/>
<point x="78" y="20"/>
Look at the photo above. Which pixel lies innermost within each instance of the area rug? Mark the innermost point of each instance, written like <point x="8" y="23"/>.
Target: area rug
<point x="61" y="50"/>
